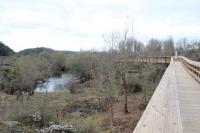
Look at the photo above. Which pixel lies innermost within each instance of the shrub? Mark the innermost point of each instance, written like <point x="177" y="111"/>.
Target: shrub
<point x="82" y="65"/>
<point x="48" y="115"/>
<point x="73" y="85"/>
<point x="134" y="87"/>
<point x="88" y="125"/>
<point x="69" y="98"/>
<point x="137" y="87"/>
<point x="70" y="105"/>
<point x="26" y="119"/>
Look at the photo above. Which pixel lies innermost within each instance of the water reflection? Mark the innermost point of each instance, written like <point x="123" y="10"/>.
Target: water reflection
<point x="54" y="83"/>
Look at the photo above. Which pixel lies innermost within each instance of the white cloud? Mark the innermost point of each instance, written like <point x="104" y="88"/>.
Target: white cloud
<point x="80" y="24"/>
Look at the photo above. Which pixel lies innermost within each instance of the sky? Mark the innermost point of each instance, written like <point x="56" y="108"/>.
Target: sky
<point x="83" y="24"/>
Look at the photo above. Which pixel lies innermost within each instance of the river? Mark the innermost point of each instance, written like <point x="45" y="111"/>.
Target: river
<point x="54" y="83"/>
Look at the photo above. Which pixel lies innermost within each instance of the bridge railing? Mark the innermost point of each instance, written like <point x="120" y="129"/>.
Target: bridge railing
<point x="152" y="59"/>
<point x="193" y="67"/>
<point x="148" y="59"/>
<point x="162" y="114"/>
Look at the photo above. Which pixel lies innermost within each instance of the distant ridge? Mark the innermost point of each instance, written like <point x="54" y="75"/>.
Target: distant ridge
<point x="5" y="50"/>
<point x="42" y="49"/>
<point x="34" y="51"/>
<point x="67" y="52"/>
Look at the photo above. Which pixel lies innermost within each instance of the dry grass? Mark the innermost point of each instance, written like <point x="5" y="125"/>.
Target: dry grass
<point x="125" y="122"/>
<point x="10" y="108"/>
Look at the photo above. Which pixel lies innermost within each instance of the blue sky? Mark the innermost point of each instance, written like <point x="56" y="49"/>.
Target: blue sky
<point x="81" y="24"/>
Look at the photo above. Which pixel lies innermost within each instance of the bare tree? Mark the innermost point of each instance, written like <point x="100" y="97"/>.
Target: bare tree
<point x="124" y="48"/>
<point x="125" y="51"/>
<point x="168" y="47"/>
<point x="153" y="48"/>
<point x="105" y="79"/>
<point x="105" y="75"/>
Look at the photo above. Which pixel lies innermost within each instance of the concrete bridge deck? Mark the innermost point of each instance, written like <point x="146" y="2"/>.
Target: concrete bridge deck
<point x="175" y="105"/>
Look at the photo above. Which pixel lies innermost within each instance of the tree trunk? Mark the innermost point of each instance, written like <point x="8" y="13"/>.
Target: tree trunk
<point x="111" y="113"/>
<point x="46" y="87"/>
<point x="145" y="95"/>
<point x="125" y="92"/>
<point x="125" y="102"/>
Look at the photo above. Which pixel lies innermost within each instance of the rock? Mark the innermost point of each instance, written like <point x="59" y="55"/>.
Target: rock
<point x="37" y="117"/>
<point x="51" y="123"/>
<point x="61" y="129"/>
<point x="39" y="131"/>
<point x="84" y="111"/>
<point x="13" y="124"/>
<point x="14" y="127"/>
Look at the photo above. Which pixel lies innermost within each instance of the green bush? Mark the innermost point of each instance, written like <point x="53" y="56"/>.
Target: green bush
<point x="69" y="98"/>
<point x="48" y="115"/>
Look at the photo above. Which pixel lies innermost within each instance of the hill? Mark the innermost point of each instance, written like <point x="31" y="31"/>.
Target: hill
<point x="5" y="50"/>
<point x="34" y="51"/>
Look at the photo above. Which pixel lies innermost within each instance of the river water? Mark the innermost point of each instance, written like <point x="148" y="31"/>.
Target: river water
<point x="54" y="83"/>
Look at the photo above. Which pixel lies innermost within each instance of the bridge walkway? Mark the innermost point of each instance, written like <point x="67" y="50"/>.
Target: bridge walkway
<point x="175" y="104"/>
<point x="189" y="99"/>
